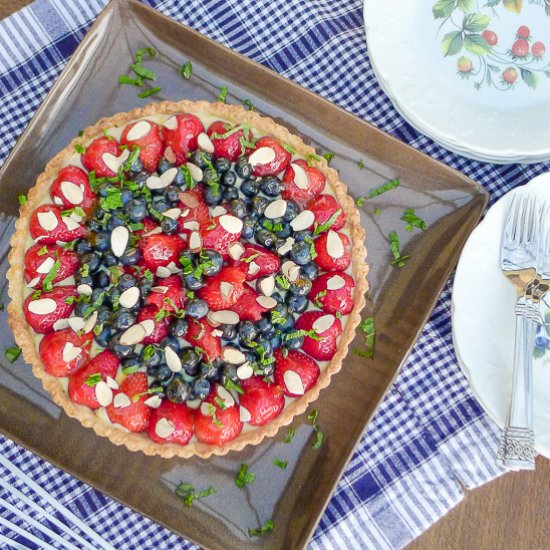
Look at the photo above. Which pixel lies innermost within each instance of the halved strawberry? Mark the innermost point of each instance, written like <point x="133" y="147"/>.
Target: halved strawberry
<point x="223" y="290"/>
<point x="169" y="294"/>
<point x="326" y="327"/>
<point x="299" y="188"/>
<point x="148" y="225"/>
<point x="262" y="401"/>
<point x="48" y="226"/>
<point x="230" y="146"/>
<point x="71" y="188"/>
<point x="200" y="335"/>
<point x="160" y="250"/>
<point x="176" y="423"/>
<point x="247" y="307"/>
<point x="105" y="364"/>
<point x="148" y="136"/>
<point x="278" y="164"/>
<point x="332" y="250"/>
<point x="296" y="373"/>
<point x="66" y="342"/>
<point x="180" y="133"/>
<point x="194" y="211"/>
<point x="160" y="329"/>
<point x="323" y="208"/>
<point x="135" y="416"/>
<point x="94" y="160"/>
<point x="220" y="232"/>
<point x="256" y="262"/>
<point x="43" y="311"/>
<point x="41" y="258"/>
<point x="332" y="292"/>
<point x="220" y="425"/>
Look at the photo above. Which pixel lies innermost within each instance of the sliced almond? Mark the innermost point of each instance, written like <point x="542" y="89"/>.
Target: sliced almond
<point x="70" y="224"/>
<point x="244" y="414"/>
<point x="112" y="383"/>
<point x="45" y="266"/>
<point x="231" y="224"/>
<point x="33" y="282"/>
<point x="148" y="326"/>
<point x="160" y="289"/>
<point x="189" y="200"/>
<point x="225" y="396"/>
<point x="290" y="270"/>
<point x="205" y="143"/>
<point x="121" y="401"/>
<point x="224" y="317"/>
<point x="114" y="163"/>
<point x="76" y="323"/>
<point x="336" y="283"/>
<point x="171" y="123"/>
<point x="103" y="394"/>
<point x="322" y="324"/>
<point x="245" y="371"/>
<point x="217" y="332"/>
<point x="154" y="231"/>
<point x="195" y="242"/>
<point x="168" y="177"/>
<point x="233" y="356"/>
<point x="42" y="306"/>
<point x="266" y="301"/>
<point x="61" y="324"/>
<point x="119" y="240"/>
<point x="154" y="182"/>
<point x="154" y="401"/>
<point x="263" y="155"/>
<point x="58" y="201"/>
<point x="301" y="179"/>
<point x="226" y="290"/>
<point x="172" y="359"/>
<point x="253" y="268"/>
<point x="267" y="285"/>
<point x="303" y="220"/>
<point x="169" y="155"/>
<point x="191" y="225"/>
<point x="90" y="323"/>
<point x="84" y="289"/>
<point x="133" y="335"/>
<point x="70" y="352"/>
<point x="74" y="216"/>
<point x="47" y="220"/>
<point x="293" y="382"/>
<point x="236" y="250"/>
<point x="72" y="192"/>
<point x="172" y="213"/>
<point x="164" y="428"/>
<point x="196" y="172"/>
<point x="287" y="246"/>
<point x="218" y="211"/>
<point x="275" y="209"/>
<point x="335" y="246"/>
<point x="138" y="130"/>
<point x="130" y="297"/>
<point x="163" y="272"/>
<point x="205" y="408"/>
<point x="173" y="268"/>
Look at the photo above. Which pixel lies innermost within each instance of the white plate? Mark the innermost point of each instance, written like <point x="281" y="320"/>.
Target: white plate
<point x="484" y="324"/>
<point x="493" y="120"/>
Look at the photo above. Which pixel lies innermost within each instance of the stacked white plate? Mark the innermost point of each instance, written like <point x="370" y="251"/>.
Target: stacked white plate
<point x="473" y="77"/>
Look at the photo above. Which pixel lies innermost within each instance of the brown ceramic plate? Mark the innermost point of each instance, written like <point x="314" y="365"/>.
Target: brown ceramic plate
<point x="401" y="298"/>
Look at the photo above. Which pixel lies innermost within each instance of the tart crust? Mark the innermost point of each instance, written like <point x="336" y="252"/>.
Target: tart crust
<point x="25" y="336"/>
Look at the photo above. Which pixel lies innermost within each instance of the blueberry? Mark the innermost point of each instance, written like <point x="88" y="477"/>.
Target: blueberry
<point x="104" y="337"/>
<point x="141" y="178"/>
<point x="193" y="283"/>
<point x="161" y="373"/>
<point x="265" y="237"/>
<point x="283" y="318"/>
<point x="92" y="260"/>
<point x="229" y="178"/>
<point x="83" y="280"/>
<point x="101" y="279"/>
<point x="292" y="210"/>
<point x="229" y="372"/>
<point x="222" y="165"/>
<point x="213" y="195"/>
<point x="238" y="208"/>
<point x="116" y="220"/>
<point x="301" y="253"/>
<point x="282" y="230"/>
<point x="163" y="166"/>
<point x="258" y="206"/>
<point x="95" y="225"/>
<point x="210" y="176"/>
<point x="230" y="194"/>
<point x="208" y="371"/>
<point x="169" y="226"/>
<point x="145" y="286"/>
<point x="263" y="342"/>
<point x="122" y="319"/>
<point x="131" y="257"/>
<point x="126" y="281"/>
<point x="296" y="342"/>
<point x="137" y="166"/>
<point x="82" y="246"/>
<point x="170" y="342"/>
<point x="171" y="193"/>
<point x="132" y="362"/>
<point x="120" y="350"/>
<point x="151" y="356"/>
<point x="177" y="390"/>
<point x="179" y="178"/>
<point x="243" y="169"/>
<point x="103" y="314"/>
<point x="264" y="325"/>
<point x="178" y="328"/>
<point x="106" y="189"/>
<point x="109" y="259"/>
<point x="197" y="308"/>
<point x="249" y="228"/>
<point x="278" y="297"/>
<point x="278" y="244"/>
<point x="80" y="308"/>
<point x="250" y="188"/>
<point x="201" y="388"/>
<point x="301" y="286"/>
<point x="229" y="332"/>
<point x="98" y="296"/>
<point x="276" y="340"/>
<point x="136" y="209"/>
<point x="271" y="186"/>
<point x="190" y="360"/>
<point x="160" y="204"/>
<point x="247" y="332"/>
<point x="101" y="240"/>
<point x="126" y="196"/>
<point x="302" y="235"/>
<point x="268" y="370"/>
<point x="296" y="303"/>
<point x="201" y="159"/>
<point x="310" y="270"/>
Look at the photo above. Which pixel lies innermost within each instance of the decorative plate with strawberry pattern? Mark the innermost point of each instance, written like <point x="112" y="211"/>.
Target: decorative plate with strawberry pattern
<point x="185" y="278"/>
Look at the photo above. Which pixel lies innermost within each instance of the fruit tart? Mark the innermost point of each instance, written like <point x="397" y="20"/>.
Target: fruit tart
<point x="185" y="278"/>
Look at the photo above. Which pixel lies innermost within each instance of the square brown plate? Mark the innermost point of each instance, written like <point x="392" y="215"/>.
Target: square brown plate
<point x="401" y="298"/>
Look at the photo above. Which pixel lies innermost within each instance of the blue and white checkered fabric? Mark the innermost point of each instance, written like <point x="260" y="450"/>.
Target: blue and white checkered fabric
<point x="429" y="433"/>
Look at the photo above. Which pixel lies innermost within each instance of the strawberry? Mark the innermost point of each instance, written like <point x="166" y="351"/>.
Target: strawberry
<point x="134" y="417"/>
<point x="161" y="327"/>
<point x="332" y="292"/>
<point x="47" y="226"/>
<point x="221" y="426"/>
<point x="327" y="331"/>
<point x="278" y="164"/>
<point x="42" y="312"/>
<point x="148" y="225"/>
<point x="93" y="159"/>
<point x="160" y="250"/>
<point x="315" y="183"/>
<point x="303" y="372"/>
<point x="247" y="307"/>
<point x="51" y="349"/>
<point x="229" y="147"/>
<point x="179" y="418"/>
<point x="169" y="295"/>
<point x="220" y="232"/>
<point x="256" y="262"/>
<point x="262" y="400"/>
<point x="183" y="138"/>
<point x="193" y="202"/>
<point x="328" y="248"/>
<point x="43" y="257"/>
<point x="223" y="290"/>
<point x="200" y="335"/>
<point x="148" y="136"/>
<point x="324" y="207"/>
<point x="105" y="364"/>
<point x="71" y="188"/>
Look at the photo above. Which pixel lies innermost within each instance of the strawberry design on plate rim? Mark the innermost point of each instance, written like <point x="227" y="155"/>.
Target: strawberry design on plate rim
<point x="261" y="127"/>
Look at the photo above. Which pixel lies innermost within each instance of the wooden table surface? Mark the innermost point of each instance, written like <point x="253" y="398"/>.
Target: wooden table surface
<point x="510" y="512"/>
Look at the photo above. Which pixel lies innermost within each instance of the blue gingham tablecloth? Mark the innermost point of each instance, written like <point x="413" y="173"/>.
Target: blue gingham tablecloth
<point x="429" y="435"/>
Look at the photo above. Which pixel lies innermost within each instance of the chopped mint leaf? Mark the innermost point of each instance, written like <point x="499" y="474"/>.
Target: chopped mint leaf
<point x="265" y="528"/>
<point x="248" y="103"/>
<point x="47" y="283"/>
<point x="328" y="224"/>
<point x="2" y="306"/>
<point x="377" y="212"/>
<point x="280" y="463"/>
<point x="143" y="72"/>
<point x="22" y="199"/>
<point x="188" y="494"/>
<point x="43" y="251"/>
<point x="80" y="149"/>
<point x="361" y="164"/>
<point x="328" y="157"/>
<point x="93" y="379"/>
<point x="367" y="327"/>
<point x="388" y="186"/>
<point x="222" y="96"/>
<point x="398" y="259"/>
<point x="311" y="158"/>
<point x="150" y="92"/>
<point x="186" y="70"/>
<point x="220" y="402"/>
<point x="70" y="300"/>
<point x="283" y="282"/>
<point x="230" y="385"/>
<point x="319" y="437"/>
<point x="149" y="50"/>
<point x="250" y="258"/>
<point x="412" y="220"/>
<point x="125" y="79"/>
<point x="12" y="353"/>
<point x="289" y="435"/>
<point x="317" y="298"/>
<point x="288" y="148"/>
<point x="244" y="477"/>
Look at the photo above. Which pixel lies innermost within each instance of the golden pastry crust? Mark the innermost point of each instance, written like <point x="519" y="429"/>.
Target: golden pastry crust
<point x="25" y="336"/>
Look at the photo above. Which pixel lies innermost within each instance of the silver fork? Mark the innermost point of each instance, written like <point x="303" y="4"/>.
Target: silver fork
<point x="522" y="260"/>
